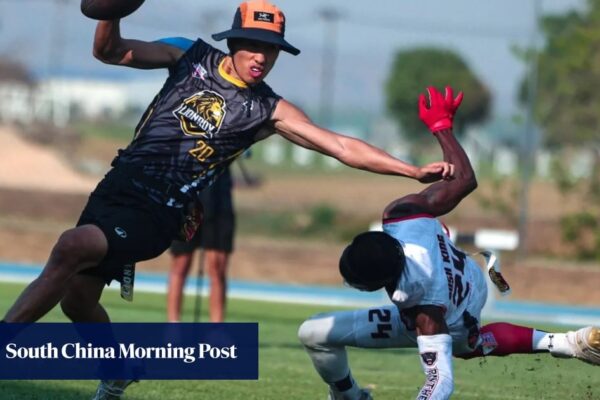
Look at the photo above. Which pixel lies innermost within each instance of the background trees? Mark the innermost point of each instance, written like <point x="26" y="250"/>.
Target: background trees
<point x="415" y="69"/>
<point x="567" y="107"/>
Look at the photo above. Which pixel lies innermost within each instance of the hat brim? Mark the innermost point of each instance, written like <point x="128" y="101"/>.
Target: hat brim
<point x="260" y="35"/>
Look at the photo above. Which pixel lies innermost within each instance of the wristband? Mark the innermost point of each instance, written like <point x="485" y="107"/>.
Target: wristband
<point x="441" y="125"/>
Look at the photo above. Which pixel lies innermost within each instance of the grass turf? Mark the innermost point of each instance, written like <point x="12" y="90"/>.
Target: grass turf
<point x="287" y="373"/>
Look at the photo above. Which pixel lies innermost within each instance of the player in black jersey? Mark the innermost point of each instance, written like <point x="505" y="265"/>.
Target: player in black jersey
<point x="212" y="107"/>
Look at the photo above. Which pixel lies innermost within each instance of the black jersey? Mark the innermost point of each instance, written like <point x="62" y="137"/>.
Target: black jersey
<point x="198" y="123"/>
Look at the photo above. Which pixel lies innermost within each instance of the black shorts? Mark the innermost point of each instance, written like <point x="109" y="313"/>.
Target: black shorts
<point x="218" y="226"/>
<point x="137" y="228"/>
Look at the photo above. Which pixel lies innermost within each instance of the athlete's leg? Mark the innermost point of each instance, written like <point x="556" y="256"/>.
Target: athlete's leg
<point x="76" y="249"/>
<point x="81" y="300"/>
<point x="216" y="266"/>
<point x="80" y="304"/>
<point x="180" y="267"/>
<point x="502" y="339"/>
<point x="325" y="337"/>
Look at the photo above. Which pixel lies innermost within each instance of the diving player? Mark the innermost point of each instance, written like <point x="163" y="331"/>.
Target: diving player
<point x="437" y="290"/>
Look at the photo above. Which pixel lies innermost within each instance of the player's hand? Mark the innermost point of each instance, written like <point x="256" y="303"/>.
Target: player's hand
<point x="435" y="171"/>
<point x="452" y="103"/>
<point x="437" y="113"/>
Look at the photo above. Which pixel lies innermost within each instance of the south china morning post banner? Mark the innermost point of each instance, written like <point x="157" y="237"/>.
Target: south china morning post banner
<point x="129" y="351"/>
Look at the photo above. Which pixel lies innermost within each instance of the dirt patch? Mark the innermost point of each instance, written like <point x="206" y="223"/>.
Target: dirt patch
<point x="28" y="165"/>
<point x="32" y="221"/>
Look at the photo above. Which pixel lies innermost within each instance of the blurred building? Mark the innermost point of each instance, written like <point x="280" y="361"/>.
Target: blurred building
<point x="16" y="91"/>
<point x="62" y="100"/>
<point x="492" y="147"/>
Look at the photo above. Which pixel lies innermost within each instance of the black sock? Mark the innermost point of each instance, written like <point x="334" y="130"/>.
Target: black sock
<point x="344" y="384"/>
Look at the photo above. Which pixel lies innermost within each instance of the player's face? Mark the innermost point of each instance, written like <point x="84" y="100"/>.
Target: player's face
<point x="253" y="60"/>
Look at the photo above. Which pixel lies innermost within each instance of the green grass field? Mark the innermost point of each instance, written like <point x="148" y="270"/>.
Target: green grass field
<point x="287" y="373"/>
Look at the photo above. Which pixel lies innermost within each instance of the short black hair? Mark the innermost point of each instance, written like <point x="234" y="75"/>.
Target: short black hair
<point x="372" y="261"/>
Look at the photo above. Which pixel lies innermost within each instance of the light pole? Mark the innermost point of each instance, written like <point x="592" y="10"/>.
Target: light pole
<point x="330" y="17"/>
<point x="529" y="145"/>
<point x="210" y="19"/>
<point x="60" y="103"/>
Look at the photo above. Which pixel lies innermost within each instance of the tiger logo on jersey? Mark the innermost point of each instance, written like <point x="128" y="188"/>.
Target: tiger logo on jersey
<point x="201" y="114"/>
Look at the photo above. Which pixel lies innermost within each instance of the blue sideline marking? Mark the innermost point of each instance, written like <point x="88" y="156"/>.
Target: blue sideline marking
<point x="330" y="295"/>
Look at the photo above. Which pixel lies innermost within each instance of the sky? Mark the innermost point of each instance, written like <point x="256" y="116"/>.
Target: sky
<point x="52" y="36"/>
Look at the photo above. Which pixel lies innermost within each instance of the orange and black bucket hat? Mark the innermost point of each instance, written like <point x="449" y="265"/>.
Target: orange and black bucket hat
<point x="261" y="21"/>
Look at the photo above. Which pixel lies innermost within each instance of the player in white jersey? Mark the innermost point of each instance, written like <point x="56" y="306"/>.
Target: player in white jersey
<point x="437" y="290"/>
<point x="437" y="273"/>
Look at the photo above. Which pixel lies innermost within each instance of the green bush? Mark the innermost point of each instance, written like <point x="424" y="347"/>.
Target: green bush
<point x="321" y="221"/>
<point x="582" y="231"/>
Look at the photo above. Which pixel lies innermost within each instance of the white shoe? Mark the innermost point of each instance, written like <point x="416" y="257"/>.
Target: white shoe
<point x="365" y="394"/>
<point x="111" y="390"/>
<point x="585" y="343"/>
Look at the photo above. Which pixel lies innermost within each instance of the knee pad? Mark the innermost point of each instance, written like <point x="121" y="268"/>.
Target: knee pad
<point x="307" y="333"/>
<point x="314" y="331"/>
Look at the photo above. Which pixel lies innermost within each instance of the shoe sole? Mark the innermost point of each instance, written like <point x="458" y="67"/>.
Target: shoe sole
<point x="589" y="343"/>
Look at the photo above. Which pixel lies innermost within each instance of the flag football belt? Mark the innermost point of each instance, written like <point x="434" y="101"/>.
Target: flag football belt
<point x="192" y="207"/>
<point x="493" y="270"/>
<point x="127" y="281"/>
<point x="136" y="172"/>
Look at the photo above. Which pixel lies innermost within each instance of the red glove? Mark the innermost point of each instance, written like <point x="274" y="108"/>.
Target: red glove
<point x="440" y="113"/>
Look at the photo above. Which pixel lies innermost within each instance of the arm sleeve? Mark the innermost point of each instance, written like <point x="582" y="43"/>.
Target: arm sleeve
<point x="179" y="42"/>
<point x="184" y="44"/>
<point x="436" y="360"/>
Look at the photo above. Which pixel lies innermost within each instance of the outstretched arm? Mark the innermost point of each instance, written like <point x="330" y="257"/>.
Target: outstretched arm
<point x="295" y="126"/>
<point x="440" y="197"/>
<point x="111" y="48"/>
